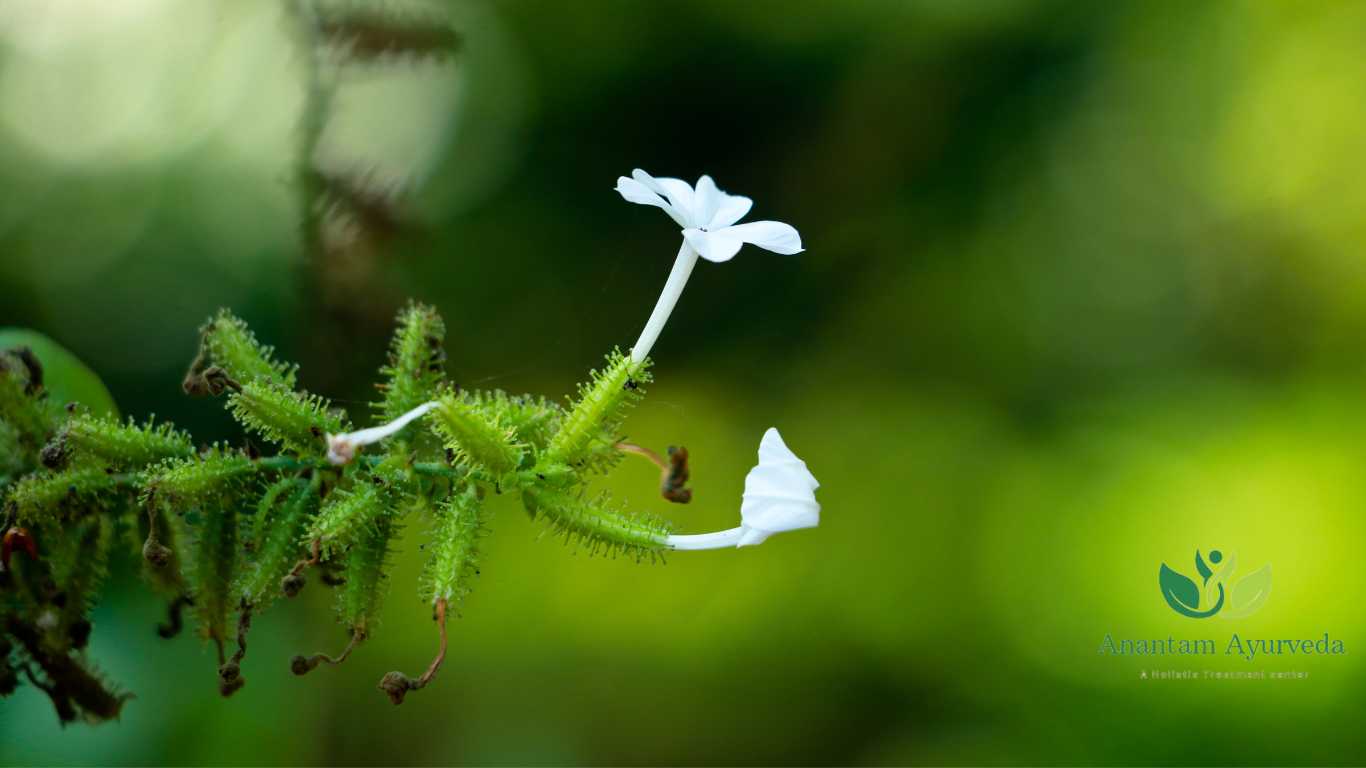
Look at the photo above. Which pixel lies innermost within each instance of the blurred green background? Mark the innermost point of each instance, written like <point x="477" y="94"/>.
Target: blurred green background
<point x="1083" y="292"/>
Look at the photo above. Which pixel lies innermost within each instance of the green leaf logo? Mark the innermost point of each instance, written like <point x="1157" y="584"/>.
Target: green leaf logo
<point x="1249" y="594"/>
<point x="1207" y="598"/>
<point x="1181" y="593"/>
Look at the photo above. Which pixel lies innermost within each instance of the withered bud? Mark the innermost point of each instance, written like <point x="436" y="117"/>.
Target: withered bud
<point x="302" y="665"/>
<point x="396" y="686"/>
<point x="230" y="679"/>
<point x="676" y="477"/>
<point x="292" y="584"/>
<point x="209" y="381"/>
<point x="155" y="553"/>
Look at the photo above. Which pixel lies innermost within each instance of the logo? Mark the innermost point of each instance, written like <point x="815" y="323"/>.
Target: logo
<point x="1216" y="593"/>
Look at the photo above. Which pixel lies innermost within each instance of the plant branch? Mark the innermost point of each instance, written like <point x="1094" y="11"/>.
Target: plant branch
<point x="397" y="685"/>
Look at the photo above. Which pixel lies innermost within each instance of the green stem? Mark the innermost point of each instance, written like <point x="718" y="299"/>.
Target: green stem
<point x="295" y="464"/>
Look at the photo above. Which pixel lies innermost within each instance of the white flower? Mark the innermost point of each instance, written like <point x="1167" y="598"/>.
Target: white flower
<point x="341" y="449"/>
<point x="780" y="493"/>
<point x="707" y="216"/>
<point x="779" y="496"/>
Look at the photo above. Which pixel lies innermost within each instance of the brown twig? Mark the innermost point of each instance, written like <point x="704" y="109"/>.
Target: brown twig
<point x="397" y="685"/>
<point x="230" y="678"/>
<point x="641" y="450"/>
<point x="174" y="622"/>
<point x="302" y="665"/>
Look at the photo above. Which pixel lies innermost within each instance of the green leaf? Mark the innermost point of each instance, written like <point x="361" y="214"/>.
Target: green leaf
<point x="453" y="561"/>
<point x="416" y="367"/>
<point x="1181" y="593"/>
<point x="64" y="375"/>
<point x="1250" y="593"/>
<point x="470" y="433"/>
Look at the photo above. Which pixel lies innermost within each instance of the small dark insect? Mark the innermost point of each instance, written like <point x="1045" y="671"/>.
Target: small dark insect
<point x="630" y="384"/>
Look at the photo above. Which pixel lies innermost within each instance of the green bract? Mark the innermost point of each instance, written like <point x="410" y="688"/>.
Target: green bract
<point x="588" y="436"/>
<point x="224" y="531"/>
<point x="298" y="421"/>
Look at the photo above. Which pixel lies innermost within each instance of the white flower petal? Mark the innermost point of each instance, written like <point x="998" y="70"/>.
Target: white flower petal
<point x="731" y="209"/>
<point x="722" y="244"/>
<point x="678" y="191"/>
<point x="706" y="200"/>
<point x="779" y="493"/>
<point x="713" y="246"/>
<point x="637" y="192"/>
<point x="770" y="235"/>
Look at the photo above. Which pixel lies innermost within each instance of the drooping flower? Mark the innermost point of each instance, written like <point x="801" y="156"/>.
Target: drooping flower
<point x="780" y="495"/>
<point x="708" y="217"/>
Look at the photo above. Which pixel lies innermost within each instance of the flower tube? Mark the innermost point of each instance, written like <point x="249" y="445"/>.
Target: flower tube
<point x="708" y="217"/>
